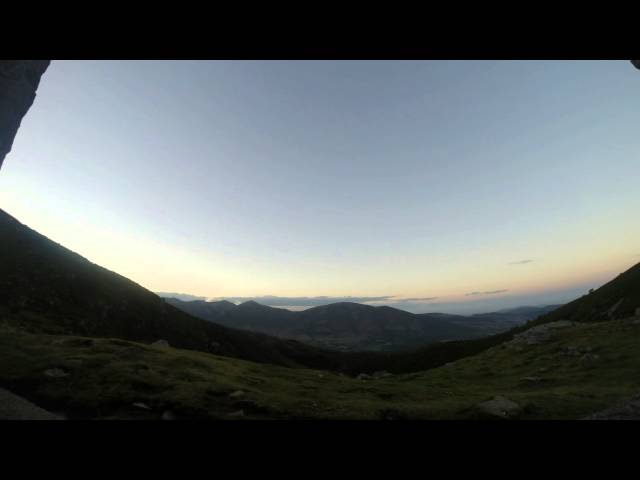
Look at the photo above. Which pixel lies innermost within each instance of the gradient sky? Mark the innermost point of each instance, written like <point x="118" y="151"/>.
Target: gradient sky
<point x="441" y="186"/>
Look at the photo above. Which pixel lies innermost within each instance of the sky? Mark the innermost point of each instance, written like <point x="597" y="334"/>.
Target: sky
<point x="454" y="186"/>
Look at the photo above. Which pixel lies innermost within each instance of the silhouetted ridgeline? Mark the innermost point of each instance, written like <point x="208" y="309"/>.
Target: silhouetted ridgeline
<point x="19" y="80"/>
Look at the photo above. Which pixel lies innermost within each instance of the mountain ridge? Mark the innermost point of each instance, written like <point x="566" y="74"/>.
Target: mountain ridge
<point x="351" y="326"/>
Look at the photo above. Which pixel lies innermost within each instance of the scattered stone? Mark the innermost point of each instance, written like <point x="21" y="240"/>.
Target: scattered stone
<point x="500" y="407"/>
<point x="56" y="373"/>
<point x="531" y="379"/>
<point x="142" y="405"/>
<point x="160" y="343"/>
<point x="239" y="413"/>
<point x="237" y="394"/>
<point x="168" y="415"/>
<point x="532" y="336"/>
<point x="363" y="376"/>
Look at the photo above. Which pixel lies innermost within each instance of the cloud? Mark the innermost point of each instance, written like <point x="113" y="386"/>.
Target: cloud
<point x="492" y="292"/>
<point x="425" y="299"/>
<point x="275" y="301"/>
<point x="521" y="262"/>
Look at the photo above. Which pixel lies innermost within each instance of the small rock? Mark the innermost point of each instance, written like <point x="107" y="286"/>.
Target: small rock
<point x="168" y="415"/>
<point x="142" y="405"/>
<point x="160" y="343"/>
<point x="531" y="379"/>
<point x="239" y="413"/>
<point x="237" y="394"/>
<point x="500" y="407"/>
<point x="363" y="376"/>
<point x="56" y="373"/>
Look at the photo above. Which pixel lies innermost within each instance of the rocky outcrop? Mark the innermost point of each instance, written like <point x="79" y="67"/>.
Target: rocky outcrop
<point x="13" y="407"/>
<point x="538" y="334"/>
<point x="627" y="410"/>
<point x="19" y="80"/>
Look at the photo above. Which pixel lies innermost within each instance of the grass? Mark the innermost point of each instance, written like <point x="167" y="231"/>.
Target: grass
<point x="106" y="376"/>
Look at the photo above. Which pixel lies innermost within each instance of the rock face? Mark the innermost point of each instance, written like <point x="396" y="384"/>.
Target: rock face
<point x="19" y="80"/>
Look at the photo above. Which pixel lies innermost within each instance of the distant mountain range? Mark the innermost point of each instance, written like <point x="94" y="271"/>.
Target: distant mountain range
<point x="351" y="326"/>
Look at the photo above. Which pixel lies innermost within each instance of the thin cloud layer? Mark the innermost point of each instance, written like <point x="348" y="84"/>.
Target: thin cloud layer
<point x="521" y="262"/>
<point x="492" y="292"/>
<point x="425" y="299"/>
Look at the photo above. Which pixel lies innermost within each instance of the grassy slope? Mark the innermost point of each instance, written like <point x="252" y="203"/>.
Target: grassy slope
<point x="108" y="375"/>
<point x="46" y="288"/>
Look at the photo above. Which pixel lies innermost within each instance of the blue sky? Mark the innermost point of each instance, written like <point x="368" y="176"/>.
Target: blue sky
<point x="338" y="178"/>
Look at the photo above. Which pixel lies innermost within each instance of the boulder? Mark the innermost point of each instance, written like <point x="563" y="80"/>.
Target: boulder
<point x="56" y="373"/>
<point x="142" y="405"/>
<point x="239" y="413"/>
<point x="500" y="407"/>
<point x="237" y="394"/>
<point x="168" y="415"/>
<point x="161" y="344"/>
